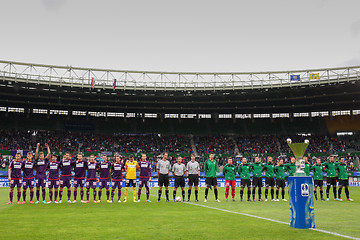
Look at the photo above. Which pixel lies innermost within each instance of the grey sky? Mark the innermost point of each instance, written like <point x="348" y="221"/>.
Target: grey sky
<point x="186" y="35"/>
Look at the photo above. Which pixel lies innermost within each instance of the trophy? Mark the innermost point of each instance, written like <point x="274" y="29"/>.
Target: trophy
<point x="298" y="149"/>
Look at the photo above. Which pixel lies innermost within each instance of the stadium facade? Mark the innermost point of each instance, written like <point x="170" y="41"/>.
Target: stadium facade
<point x="320" y="101"/>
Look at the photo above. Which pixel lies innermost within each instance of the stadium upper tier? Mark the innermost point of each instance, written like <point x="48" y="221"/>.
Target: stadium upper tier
<point x="170" y="81"/>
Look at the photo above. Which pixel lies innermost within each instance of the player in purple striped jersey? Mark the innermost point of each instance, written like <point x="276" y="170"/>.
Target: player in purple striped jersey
<point x="28" y="176"/>
<point x="65" y="178"/>
<point x="91" y="178"/>
<point x="41" y="162"/>
<point x="104" y="182"/>
<point x="15" y="178"/>
<point x="145" y="177"/>
<point x="79" y="178"/>
<point x="117" y="177"/>
<point x="54" y="169"/>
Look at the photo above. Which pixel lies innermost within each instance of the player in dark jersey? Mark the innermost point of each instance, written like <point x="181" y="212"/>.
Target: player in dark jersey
<point x="15" y="178"/>
<point x="28" y="176"/>
<point x="256" y="168"/>
<point x="244" y="172"/>
<point x="41" y="162"/>
<point x="91" y="179"/>
<point x="269" y="178"/>
<point x="280" y="179"/>
<point x="117" y="177"/>
<point x="53" y="167"/>
<point x="318" y="169"/>
<point x="341" y="168"/>
<point x="65" y="178"/>
<point x="79" y="178"/>
<point x="104" y="182"/>
<point x="145" y="177"/>
<point x="330" y="168"/>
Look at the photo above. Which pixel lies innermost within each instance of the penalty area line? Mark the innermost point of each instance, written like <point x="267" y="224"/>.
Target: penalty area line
<point x="271" y="220"/>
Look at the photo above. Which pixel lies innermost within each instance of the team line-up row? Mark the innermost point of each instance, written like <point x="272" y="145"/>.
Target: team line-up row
<point x="21" y="174"/>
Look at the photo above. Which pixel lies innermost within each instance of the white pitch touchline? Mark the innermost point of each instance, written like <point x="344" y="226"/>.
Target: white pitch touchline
<point x="271" y="220"/>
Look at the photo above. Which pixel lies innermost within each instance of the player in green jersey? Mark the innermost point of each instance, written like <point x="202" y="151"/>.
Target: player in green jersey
<point x="330" y="168"/>
<point x="280" y="179"/>
<point x="256" y="168"/>
<point x="307" y="166"/>
<point x="229" y="172"/>
<point x="244" y="172"/>
<point x="291" y="167"/>
<point x="211" y="168"/>
<point x="269" y="178"/>
<point x="318" y="169"/>
<point x="343" y="179"/>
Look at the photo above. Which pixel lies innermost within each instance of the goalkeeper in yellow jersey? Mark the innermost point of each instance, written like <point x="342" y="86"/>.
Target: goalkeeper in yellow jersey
<point x="130" y="168"/>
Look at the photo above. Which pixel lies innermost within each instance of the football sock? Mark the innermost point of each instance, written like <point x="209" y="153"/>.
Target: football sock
<point x="75" y="194"/>
<point x="174" y="194"/>
<point x="315" y="195"/>
<point x="233" y="192"/>
<point x="283" y="193"/>
<point x="69" y="194"/>
<point x="339" y="192"/>
<point x="37" y="194"/>
<point x="259" y="192"/>
<point x="241" y="194"/>
<point x="277" y="193"/>
<point x="56" y="194"/>
<point x="88" y="194"/>
<point x="159" y="194"/>
<point x="227" y="193"/>
<point x="50" y="195"/>
<point x="11" y="195"/>
<point x="119" y="193"/>
<point x="272" y="193"/>
<point x="107" y="194"/>
<point x="196" y="194"/>
<point x="347" y="193"/>
<point x="253" y="193"/>
<point x="147" y="193"/>
<point x="43" y="194"/>
<point x="266" y="193"/>
<point x="206" y="193"/>
<point x="216" y="193"/>
<point x="167" y="194"/>
<point x="100" y="193"/>
<point x="134" y="192"/>
<point x="334" y="191"/>
<point x="82" y="194"/>
<point x="31" y="195"/>
<point x="24" y="195"/>
<point x="189" y="194"/>
<point x="183" y="194"/>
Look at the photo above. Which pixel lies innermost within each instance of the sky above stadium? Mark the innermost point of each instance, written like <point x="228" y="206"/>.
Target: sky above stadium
<point x="186" y="35"/>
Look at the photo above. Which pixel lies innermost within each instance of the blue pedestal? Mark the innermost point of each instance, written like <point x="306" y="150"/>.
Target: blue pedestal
<point x="302" y="213"/>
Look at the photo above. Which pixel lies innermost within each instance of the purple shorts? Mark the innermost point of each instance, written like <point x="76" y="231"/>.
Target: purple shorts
<point x="104" y="183"/>
<point x="28" y="183"/>
<point x="116" y="183"/>
<point x="65" y="181"/>
<point x="40" y="181"/>
<point x="143" y="182"/>
<point x="53" y="183"/>
<point x="16" y="183"/>
<point x="79" y="182"/>
<point x="91" y="184"/>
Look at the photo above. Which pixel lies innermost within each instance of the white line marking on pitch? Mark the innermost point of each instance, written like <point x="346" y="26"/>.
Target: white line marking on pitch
<point x="271" y="220"/>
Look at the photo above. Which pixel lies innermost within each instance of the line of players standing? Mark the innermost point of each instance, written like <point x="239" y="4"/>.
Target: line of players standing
<point x="275" y="175"/>
<point x="113" y="172"/>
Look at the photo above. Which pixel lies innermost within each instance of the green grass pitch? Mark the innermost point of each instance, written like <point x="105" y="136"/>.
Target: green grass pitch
<point x="172" y="220"/>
